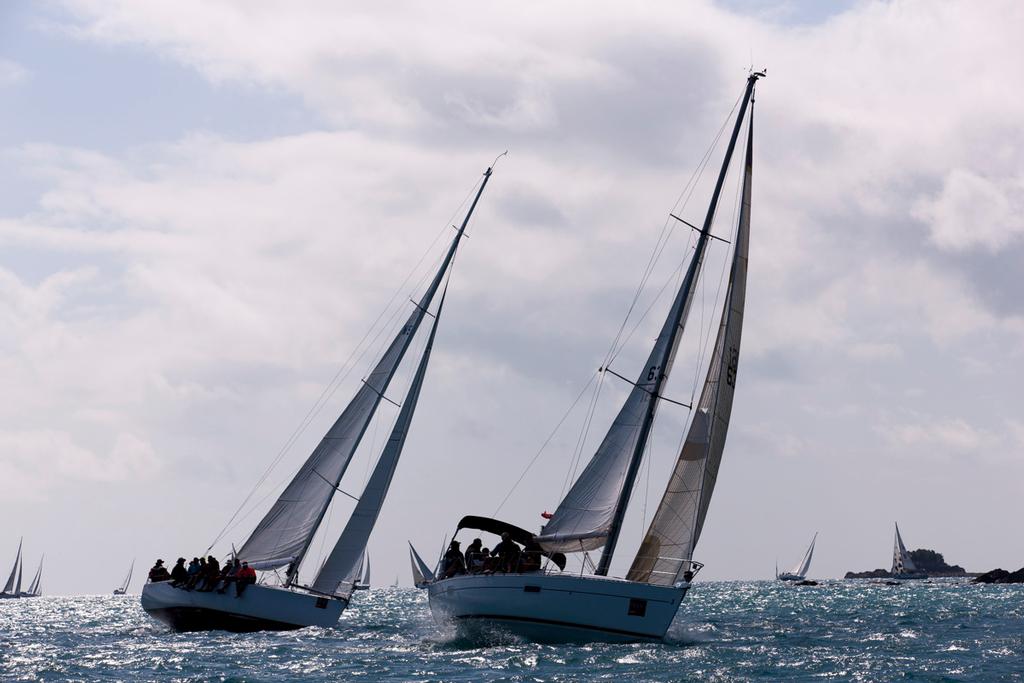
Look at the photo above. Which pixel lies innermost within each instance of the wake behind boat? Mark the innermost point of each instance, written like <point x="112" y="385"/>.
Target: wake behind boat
<point x="281" y="541"/>
<point x="799" y="572"/>
<point x="525" y="592"/>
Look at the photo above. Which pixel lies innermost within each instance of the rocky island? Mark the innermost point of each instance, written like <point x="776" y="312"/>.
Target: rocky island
<point x="927" y="561"/>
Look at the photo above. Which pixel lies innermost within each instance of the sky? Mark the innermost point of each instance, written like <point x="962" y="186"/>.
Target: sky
<point x="205" y="205"/>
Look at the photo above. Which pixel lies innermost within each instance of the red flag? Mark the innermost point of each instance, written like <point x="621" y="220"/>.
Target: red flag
<point x="546" y="515"/>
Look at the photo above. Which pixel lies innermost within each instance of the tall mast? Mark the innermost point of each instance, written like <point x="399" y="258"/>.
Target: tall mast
<point x="678" y="311"/>
<point x="293" y="569"/>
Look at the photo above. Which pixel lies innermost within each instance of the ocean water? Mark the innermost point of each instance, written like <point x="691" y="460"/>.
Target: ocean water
<point x="730" y="631"/>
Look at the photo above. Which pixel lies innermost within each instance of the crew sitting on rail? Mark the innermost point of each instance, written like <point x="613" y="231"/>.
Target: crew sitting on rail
<point x="453" y="563"/>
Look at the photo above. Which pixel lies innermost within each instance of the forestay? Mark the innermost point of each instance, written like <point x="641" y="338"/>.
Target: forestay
<point x="667" y="549"/>
<point x="341" y="570"/>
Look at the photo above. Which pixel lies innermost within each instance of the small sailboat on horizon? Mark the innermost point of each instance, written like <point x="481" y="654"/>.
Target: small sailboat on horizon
<point x="421" y="573"/>
<point x="799" y="572"/>
<point x="363" y="584"/>
<point x="543" y="603"/>
<point x="282" y="539"/>
<point x="903" y="566"/>
<point x="123" y="589"/>
<point x="12" y="589"/>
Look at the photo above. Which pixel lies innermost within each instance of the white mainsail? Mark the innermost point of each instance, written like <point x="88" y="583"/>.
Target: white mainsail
<point x="805" y="564"/>
<point x="283" y="536"/>
<point x="127" y="579"/>
<point x="340" y="570"/>
<point x="35" y="588"/>
<point x="9" y="586"/>
<point x="17" y="584"/>
<point x="667" y="549"/>
<point x="591" y="514"/>
<point x="901" y="560"/>
<point x="421" y="574"/>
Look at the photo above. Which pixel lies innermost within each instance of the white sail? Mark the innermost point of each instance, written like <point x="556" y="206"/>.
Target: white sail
<point x="17" y="584"/>
<point x="128" y="578"/>
<point x="366" y="573"/>
<point x="667" y="549"/>
<point x="340" y="570"/>
<point x="9" y="586"/>
<point x="35" y="588"/>
<point x="284" y="534"/>
<point x="421" y="573"/>
<point x="805" y="564"/>
<point x="901" y="560"/>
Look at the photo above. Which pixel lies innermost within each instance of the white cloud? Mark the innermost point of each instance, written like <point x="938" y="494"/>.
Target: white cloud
<point x="12" y="73"/>
<point x="973" y="211"/>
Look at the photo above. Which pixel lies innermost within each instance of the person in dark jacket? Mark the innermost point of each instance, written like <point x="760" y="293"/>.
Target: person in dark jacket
<point x="473" y="559"/>
<point x="507" y="552"/>
<point x="453" y="562"/>
<point x="179" y="575"/>
<point x="159" y="572"/>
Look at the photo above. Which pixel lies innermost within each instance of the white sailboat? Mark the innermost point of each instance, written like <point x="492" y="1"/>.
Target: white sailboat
<point x="363" y="584"/>
<point x="127" y="580"/>
<point x="421" y="574"/>
<point x="799" y="572"/>
<point x="548" y="605"/>
<point x="12" y="589"/>
<point x="284" y="536"/>
<point x="35" y="588"/>
<point x="903" y="566"/>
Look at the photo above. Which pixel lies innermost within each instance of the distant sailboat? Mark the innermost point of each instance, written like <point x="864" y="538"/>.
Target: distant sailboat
<point x="903" y="566"/>
<point x="363" y="584"/>
<point x="550" y="606"/>
<point x="421" y="574"/>
<point x="35" y="588"/>
<point x="799" y="572"/>
<point x="283" y="538"/>
<point x="12" y="589"/>
<point x="127" y="579"/>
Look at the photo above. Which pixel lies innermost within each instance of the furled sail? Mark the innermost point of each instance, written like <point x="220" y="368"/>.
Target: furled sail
<point x="901" y="560"/>
<point x="283" y="536"/>
<point x="667" y="549"/>
<point x="9" y="586"/>
<point x="591" y="514"/>
<point x="340" y="570"/>
<point x="421" y="574"/>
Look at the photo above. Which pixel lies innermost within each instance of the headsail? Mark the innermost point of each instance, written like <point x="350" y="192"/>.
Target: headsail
<point x="366" y="573"/>
<point x="17" y="584"/>
<point x="283" y="536"/>
<point x="9" y="586"/>
<point x="667" y="549"/>
<point x="128" y="578"/>
<point x="901" y="560"/>
<point x="35" y="588"/>
<point x="340" y="570"/>
<point x="591" y="514"/>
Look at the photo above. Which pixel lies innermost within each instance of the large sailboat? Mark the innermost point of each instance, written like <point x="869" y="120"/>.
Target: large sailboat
<point x="12" y="589"/>
<point x="903" y="566"/>
<point x="799" y="572"/>
<point x="550" y="605"/>
<point x="123" y="588"/>
<point x="282" y="539"/>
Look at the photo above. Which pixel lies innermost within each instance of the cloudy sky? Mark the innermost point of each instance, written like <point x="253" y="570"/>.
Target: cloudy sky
<point x="205" y="205"/>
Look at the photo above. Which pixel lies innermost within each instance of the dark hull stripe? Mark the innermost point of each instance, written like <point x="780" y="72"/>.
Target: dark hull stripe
<point x="554" y="622"/>
<point x="202" y="619"/>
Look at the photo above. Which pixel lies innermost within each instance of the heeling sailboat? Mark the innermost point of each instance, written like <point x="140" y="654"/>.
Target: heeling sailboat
<point x="35" y="589"/>
<point x="283" y="538"/>
<point x="363" y="584"/>
<point x="127" y="580"/>
<point x="903" y="566"/>
<point x="12" y="589"/>
<point x="552" y="606"/>
<point x="799" y="572"/>
<point x="421" y="574"/>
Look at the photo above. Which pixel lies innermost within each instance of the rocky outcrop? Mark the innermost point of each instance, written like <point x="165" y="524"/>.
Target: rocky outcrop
<point x="928" y="562"/>
<point x="1001" y="576"/>
<point x="875" y="574"/>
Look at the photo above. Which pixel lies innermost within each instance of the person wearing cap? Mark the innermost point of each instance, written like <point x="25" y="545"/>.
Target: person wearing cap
<point x="179" y="575"/>
<point x="159" y="572"/>
<point x="453" y="563"/>
<point x="507" y="553"/>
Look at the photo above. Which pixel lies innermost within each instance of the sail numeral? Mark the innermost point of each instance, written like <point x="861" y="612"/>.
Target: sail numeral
<point x="653" y="373"/>
<point x="407" y="330"/>
<point x="733" y="364"/>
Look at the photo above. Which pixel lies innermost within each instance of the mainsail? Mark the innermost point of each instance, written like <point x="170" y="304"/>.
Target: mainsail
<point x="128" y="578"/>
<point x="667" y="549"/>
<point x="341" y="568"/>
<point x="285" y="533"/>
<point x="901" y="560"/>
<point x="805" y="564"/>
<point x="591" y="514"/>
<point x="35" y="588"/>
<point x="9" y="586"/>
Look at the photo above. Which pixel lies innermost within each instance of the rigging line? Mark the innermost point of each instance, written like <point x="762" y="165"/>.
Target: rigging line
<point x="545" y="444"/>
<point x="342" y="372"/>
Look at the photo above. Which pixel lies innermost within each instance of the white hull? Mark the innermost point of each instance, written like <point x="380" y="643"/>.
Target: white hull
<point x="556" y="607"/>
<point x="260" y="608"/>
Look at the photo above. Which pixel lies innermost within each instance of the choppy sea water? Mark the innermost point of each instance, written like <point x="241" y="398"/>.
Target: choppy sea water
<point x="732" y="631"/>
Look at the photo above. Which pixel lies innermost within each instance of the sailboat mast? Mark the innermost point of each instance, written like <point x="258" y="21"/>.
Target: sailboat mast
<point x="685" y="293"/>
<point x="293" y="569"/>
